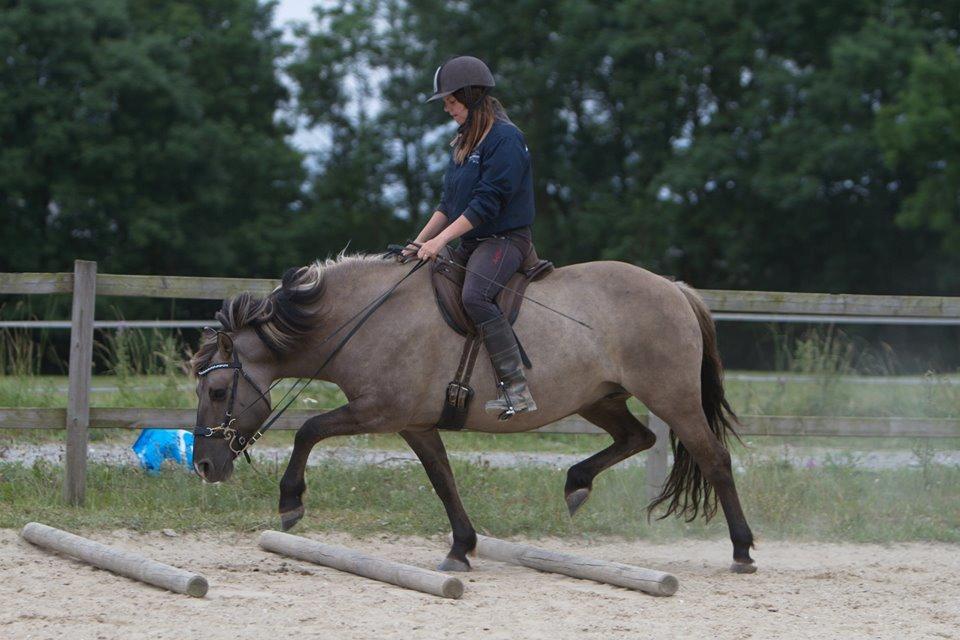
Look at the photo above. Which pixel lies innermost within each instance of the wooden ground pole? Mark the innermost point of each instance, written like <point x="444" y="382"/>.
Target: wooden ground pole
<point x="629" y="576"/>
<point x="125" y="563"/>
<point x="345" y="559"/>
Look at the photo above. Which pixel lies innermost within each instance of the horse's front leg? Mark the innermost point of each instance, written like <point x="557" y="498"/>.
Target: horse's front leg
<point x="429" y="448"/>
<point x="339" y="422"/>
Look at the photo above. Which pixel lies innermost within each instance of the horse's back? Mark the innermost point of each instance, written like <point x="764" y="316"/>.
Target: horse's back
<point x="634" y="315"/>
<point x="606" y="288"/>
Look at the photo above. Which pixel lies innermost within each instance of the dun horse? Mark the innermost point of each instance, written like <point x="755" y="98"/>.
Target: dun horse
<point x="649" y="338"/>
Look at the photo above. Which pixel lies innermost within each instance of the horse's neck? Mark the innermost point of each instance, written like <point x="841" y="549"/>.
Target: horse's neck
<point x="348" y="288"/>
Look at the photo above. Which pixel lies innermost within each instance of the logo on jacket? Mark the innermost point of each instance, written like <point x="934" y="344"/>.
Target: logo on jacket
<point x="474" y="157"/>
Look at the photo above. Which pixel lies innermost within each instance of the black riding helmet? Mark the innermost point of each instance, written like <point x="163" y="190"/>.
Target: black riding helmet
<point x="460" y="72"/>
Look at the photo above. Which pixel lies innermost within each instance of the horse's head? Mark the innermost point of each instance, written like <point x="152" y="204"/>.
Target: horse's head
<point x="235" y="367"/>
<point x="233" y="400"/>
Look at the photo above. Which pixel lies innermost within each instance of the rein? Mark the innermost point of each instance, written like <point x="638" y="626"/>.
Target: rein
<point x="226" y="430"/>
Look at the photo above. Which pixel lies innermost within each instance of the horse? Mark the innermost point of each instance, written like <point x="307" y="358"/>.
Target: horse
<point x="647" y="337"/>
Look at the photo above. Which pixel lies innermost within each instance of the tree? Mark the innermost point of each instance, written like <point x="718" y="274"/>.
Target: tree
<point x="143" y="135"/>
<point x="920" y="134"/>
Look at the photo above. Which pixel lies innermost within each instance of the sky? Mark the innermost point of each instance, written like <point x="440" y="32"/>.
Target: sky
<point x="294" y="10"/>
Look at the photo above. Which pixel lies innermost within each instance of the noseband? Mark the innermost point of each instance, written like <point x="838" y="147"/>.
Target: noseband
<point x="225" y="429"/>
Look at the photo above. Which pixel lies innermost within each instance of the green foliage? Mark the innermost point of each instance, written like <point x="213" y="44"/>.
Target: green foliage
<point x="729" y="143"/>
<point x="920" y="133"/>
<point x="131" y="354"/>
<point x="22" y="351"/>
<point x="142" y="136"/>
<point x="804" y="145"/>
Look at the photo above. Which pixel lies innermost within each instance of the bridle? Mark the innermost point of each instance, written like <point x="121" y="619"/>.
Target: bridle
<point x="225" y="429"/>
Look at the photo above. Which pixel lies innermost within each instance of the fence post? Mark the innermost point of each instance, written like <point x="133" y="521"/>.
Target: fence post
<point x="657" y="457"/>
<point x="81" y="362"/>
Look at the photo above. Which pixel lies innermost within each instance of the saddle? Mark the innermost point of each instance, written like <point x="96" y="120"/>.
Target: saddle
<point x="448" y="285"/>
<point x="447" y="282"/>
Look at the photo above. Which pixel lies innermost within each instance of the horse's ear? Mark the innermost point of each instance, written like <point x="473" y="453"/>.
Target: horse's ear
<point x="208" y="333"/>
<point x="225" y="344"/>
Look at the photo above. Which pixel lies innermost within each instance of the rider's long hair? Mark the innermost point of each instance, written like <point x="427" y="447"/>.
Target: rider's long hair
<point x="485" y="112"/>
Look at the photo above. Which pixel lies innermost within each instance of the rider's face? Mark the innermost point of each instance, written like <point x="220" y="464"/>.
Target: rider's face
<point x="455" y="109"/>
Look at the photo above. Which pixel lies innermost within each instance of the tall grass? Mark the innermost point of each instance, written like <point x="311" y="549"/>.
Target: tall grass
<point x="148" y="369"/>
<point x="22" y="354"/>
<point x="24" y="351"/>
<point x="827" y="354"/>
<point x="131" y="355"/>
<point x="828" y="357"/>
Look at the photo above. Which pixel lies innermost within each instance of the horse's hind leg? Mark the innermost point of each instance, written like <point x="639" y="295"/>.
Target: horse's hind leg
<point x="705" y="451"/>
<point x="429" y="448"/>
<point x="630" y="436"/>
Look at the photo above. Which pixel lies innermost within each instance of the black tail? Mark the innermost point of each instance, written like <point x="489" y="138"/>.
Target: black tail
<point x="686" y="491"/>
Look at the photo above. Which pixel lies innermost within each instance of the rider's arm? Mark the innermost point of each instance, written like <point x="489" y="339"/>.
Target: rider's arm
<point x="434" y="226"/>
<point x="456" y="229"/>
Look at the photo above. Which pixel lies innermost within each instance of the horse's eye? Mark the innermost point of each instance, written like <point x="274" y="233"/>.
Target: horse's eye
<point x="218" y="394"/>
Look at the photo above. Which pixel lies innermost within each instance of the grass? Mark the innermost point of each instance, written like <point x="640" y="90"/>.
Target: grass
<point x="935" y="397"/>
<point x="836" y="502"/>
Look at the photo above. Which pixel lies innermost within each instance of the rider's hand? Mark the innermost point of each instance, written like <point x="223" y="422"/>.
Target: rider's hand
<point x="407" y="253"/>
<point x="430" y="249"/>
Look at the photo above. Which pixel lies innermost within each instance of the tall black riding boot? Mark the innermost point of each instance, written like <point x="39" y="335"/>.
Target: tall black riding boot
<point x="513" y="396"/>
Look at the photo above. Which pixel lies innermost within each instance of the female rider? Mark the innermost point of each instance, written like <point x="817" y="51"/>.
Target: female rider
<point x="487" y="202"/>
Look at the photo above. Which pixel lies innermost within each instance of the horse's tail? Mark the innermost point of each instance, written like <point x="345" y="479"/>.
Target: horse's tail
<point x="686" y="490"/>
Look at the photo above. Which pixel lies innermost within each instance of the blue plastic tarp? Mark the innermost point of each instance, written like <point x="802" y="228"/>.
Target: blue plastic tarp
<point x="156" y="445"/>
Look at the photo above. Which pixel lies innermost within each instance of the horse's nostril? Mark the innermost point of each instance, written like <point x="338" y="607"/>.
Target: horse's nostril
<point x="202" y="468"/>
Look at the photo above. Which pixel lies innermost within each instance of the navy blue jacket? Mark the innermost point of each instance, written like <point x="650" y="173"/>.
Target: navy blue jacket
<point x="493" y="188"/>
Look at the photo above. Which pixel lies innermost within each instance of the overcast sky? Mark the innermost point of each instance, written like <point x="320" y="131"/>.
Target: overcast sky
<point x="293" y="10"/>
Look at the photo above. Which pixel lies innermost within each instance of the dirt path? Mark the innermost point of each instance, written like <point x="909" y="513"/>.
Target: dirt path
<point x="805" y="457"/>
<point x="802" y="590"/>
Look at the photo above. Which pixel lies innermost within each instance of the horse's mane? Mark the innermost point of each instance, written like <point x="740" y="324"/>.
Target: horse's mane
<point x="285" y="314"/>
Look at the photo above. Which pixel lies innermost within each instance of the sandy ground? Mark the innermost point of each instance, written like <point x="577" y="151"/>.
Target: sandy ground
<point x="801" y="590"/>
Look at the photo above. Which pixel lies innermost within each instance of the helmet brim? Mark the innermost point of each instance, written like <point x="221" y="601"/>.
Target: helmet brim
<point x="437" y="96"/>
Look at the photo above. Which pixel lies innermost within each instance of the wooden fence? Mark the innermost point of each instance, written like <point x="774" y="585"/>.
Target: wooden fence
<point x="85" y="284"/>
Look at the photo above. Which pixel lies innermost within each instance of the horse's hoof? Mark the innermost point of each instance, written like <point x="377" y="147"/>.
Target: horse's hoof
<point x="577" y="498"/>
<point x="452" y="564"/>
<point x="743" y="567"/>
<point x="290" y="518"/>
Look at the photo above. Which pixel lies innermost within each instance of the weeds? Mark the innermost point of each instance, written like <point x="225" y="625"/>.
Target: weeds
<point x="130" y="355"/>
<point x="23" y="351"/>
